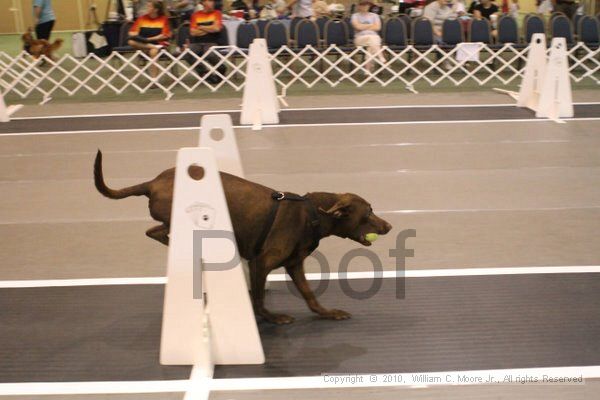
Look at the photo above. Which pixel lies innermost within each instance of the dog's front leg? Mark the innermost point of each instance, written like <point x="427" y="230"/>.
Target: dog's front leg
<point x="259" y="269"/>
<point x="296" y="271"/>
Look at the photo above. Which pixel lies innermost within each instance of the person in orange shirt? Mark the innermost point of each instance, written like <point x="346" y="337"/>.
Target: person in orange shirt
<point x="151" y="32"/>
<point x="205" y="31"/>
<point x="205" y="25"/>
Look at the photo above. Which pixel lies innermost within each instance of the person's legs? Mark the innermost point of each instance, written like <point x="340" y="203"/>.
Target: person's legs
<point x="373" y="44"/>
<point x="198" y="50"/>
<point x="43" y="30"/>
<point x="151" y="50"/>
<point x="363" y="41"/>
<point x="213" y="59"/>
<point x="375" y="47"/>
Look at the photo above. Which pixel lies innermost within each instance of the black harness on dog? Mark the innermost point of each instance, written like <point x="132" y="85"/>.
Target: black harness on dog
<point x="278" y="197"/>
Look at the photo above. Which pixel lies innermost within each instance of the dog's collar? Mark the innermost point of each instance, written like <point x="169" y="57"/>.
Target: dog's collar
<point x="278" y="197"/>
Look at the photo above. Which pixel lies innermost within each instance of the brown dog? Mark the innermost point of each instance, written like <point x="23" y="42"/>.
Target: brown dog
<point x="268" y="236"/>
<point x="38" y="48"/>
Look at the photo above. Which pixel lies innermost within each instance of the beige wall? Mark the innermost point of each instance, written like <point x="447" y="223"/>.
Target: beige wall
<point x="71" y="15"/>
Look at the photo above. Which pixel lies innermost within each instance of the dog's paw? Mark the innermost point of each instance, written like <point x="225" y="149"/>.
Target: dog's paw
<point x="279" y="319"/>
<point x="337" y="315"/>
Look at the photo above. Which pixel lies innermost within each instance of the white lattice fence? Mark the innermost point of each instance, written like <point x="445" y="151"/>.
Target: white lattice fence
<point x="119" y="73"/>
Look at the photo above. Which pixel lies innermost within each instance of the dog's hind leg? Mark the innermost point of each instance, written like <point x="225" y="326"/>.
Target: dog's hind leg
<point x="259" y="269"/>
<point x="160" y="233"/>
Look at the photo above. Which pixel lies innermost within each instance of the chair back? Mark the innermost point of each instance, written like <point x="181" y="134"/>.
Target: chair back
<point x="560" y="26"/>
<point x="276" y="34"/>
<point x="533" y="24"/>
<point x="480" y="31"/>
<point x="507" y="30"/>
<point x="589" y="31"/>
<point x="422" y="32"/>
<point x="394" y="32"/>
<point x="336" y="32"/>
<point x="245" y="35"/>
<point x="307" y="33"/>
<point x="452" y="32"/>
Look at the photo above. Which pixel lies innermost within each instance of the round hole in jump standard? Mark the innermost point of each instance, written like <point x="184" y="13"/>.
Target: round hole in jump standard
<point x="217" y="134"/>
<point x="196" y="172"/>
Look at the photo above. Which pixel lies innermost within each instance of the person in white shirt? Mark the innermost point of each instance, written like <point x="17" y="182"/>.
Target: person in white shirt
<point x="366" y="25"/>
<point x="459" y="8"/>
<point x="437" y="12"/>
<point x="513" y="9"/>
<point x="301" y="8"/>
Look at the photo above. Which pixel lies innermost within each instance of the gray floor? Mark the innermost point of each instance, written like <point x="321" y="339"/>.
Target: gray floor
<point x="478" y="189"/>
<point x="314" y="117"/>
<point x="485" y="195"/>
<point x="112" y="333"/>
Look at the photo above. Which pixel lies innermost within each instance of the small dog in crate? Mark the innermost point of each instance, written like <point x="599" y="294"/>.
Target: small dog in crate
<point x="38" y="48"/>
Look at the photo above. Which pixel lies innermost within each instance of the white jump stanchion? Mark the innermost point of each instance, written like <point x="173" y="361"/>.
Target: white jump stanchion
<point x="216" y="132"/>
<point x="556" y="100"/>
<point x="546" y="85"/>
<point x="535" y="71"/>
<point x="220" y="327"/>
<point x="6" y="112"/>
<point x="259" y="105"/>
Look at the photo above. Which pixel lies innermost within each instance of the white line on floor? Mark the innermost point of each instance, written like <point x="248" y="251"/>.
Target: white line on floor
<point x="129" y="130"/>
<point x="83" y="282"/>
<point x="278" y="277"/>
<point x="326" y="381"/>
<point x="407" y="171"/>
<point x="429" y="273"/>
<point x="355" y="173"/>
<point x="285" y="109"/>
<point x="112" y="387"/>
<point x="379" y="212"/>
<point x="295" y="147"/>
<point x="189" y="128"/>
<point x="401" y="380"/>
<point x="135" y="114"/>
<point x="77" y="221"/>
<point x="474" y="210"/>
<point x="480" y="121"/>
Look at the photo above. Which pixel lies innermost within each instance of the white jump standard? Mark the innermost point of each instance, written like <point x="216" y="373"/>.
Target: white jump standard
<point x="546" y="85"/>
<point x="260" y="104"/>
<point x="7" y="111"/>
<point x="219" y="327"/>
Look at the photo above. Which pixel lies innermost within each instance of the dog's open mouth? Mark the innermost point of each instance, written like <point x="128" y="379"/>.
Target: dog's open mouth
<point x="362" y="240"/>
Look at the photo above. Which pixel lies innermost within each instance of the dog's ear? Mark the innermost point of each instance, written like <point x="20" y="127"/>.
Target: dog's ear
<point x="341" y="208"/>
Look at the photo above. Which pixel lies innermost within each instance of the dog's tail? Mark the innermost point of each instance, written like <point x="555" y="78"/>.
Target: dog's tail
<point x="136" y="190"/>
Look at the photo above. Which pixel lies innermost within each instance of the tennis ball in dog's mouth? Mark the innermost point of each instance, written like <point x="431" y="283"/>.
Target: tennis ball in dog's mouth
<point x="371" y="237"/>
